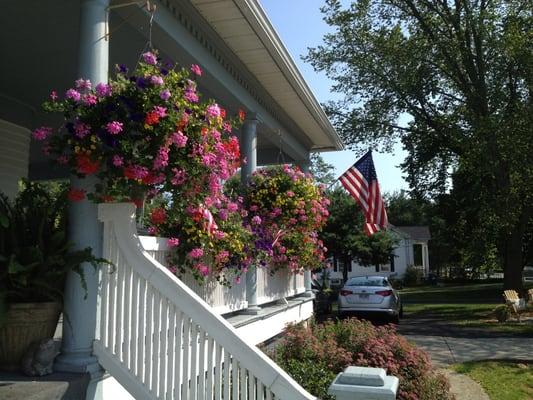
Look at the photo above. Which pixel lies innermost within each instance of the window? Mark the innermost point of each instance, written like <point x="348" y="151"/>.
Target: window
<point x="417" y="254"/>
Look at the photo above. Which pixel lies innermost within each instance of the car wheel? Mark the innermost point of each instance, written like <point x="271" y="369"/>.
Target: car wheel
<point x="401" y="311"/>
<point x="395" y="319"/>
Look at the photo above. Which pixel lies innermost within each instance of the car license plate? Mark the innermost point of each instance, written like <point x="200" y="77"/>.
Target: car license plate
<point x="364" y="296"/>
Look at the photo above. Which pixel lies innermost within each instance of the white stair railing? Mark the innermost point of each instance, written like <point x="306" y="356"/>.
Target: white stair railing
<point x="221" y="298"/>
<point x="162" y="341"/>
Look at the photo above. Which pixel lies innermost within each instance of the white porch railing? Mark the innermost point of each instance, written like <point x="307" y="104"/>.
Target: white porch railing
<point x="221" y="298"/>
<point x="278" y="286"/>
<point x="160" y="340"/>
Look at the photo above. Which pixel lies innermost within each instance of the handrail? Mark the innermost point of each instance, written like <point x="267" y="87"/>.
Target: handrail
<point x="135" y="264"/>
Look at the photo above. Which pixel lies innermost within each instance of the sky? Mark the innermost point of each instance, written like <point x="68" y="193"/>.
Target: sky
<point x="299" y="24"/>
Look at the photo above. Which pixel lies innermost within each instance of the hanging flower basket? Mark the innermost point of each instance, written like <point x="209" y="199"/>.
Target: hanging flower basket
<point x="148" y="132"/>
<point x="286" y="209"/>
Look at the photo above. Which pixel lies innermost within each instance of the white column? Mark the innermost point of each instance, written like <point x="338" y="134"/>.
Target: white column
<point x="80" y="308"/>
<point x="305" y="166"/>
<point x="249" y="152"/>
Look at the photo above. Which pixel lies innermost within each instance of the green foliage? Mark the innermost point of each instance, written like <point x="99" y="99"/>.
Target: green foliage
<point x="314" y="355"/>
<point x="35" y="254"/>
<point x="412" y="276"/>
<point x="322" y="172"/>
<point x="345" y="238"/>
<point x="452" y="81"/>
<point x="502" y="313"/>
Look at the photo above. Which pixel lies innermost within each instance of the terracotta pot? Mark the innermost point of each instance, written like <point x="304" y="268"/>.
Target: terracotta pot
<point x="25" y="323"/>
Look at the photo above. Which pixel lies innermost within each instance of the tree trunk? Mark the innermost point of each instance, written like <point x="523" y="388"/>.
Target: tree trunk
<point x="345" y="268"/>
<point x="513" y="261"/>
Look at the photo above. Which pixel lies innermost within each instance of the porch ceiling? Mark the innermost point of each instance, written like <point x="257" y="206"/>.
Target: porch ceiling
<point x="245" y="28"/>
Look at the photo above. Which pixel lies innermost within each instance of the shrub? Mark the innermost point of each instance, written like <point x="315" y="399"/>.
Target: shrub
<point x="323" y="350"/>
<point x="412" y="276"/>
<point x="502" y="313"/>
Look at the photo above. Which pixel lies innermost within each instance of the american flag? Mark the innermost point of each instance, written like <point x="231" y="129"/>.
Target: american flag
<point x="362" y="183"/>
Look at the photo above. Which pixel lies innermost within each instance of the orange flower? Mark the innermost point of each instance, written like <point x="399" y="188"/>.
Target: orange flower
<point x="152" y="118"/>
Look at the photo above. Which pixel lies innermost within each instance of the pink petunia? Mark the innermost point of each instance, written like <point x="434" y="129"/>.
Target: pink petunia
<point x="103" y="90"/>
<point x="118" y="161"/>
<point x="197" y="252"/>
<point x="196" y="70"/>
<point x="73" y="94"/>
<point x="114" y="127"/>
<point x="42" y="133"/>
<point x="83" y="84"/>
<point x="179" y="139"/>
<point x="173" y="242"/>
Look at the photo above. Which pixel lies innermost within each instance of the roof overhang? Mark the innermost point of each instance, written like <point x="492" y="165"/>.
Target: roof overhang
<point x="245" y="28"/>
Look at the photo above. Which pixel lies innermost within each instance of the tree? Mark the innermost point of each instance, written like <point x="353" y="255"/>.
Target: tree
<point x="460" y="72"/>
<point x="344" y="236"/>
<point x="322" y="171"/>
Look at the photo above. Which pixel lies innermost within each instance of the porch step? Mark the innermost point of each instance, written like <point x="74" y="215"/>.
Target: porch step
<point x="57" y="386"/>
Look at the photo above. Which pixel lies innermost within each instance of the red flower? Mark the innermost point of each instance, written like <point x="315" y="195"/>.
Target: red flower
<point x="223" y="112"/>
<point x="76" y="194"/>
<point x="152" y="118"/>
<point x="158" y="216"/>
<point x="242" y="114"/>
<point x="84" y="165"/>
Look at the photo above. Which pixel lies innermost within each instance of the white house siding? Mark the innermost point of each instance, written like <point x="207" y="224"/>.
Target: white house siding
<point x="403" y="257"/>
<point x="14" y="155"/>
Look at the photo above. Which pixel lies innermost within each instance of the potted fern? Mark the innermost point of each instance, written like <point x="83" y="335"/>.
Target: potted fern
<point x="35" y="257"/>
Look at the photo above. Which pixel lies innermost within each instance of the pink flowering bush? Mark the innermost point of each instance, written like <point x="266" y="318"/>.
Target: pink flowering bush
<point x="286" y="210"/>
<point x="148" y="132"/>
<point x="314" y="355"/>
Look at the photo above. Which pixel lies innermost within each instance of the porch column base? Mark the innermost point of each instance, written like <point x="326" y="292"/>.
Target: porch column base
<point x="78" y="363"/>
<point x="307" y="284"/>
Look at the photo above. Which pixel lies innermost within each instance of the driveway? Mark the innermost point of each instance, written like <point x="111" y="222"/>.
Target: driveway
<point x="447" y="344"/>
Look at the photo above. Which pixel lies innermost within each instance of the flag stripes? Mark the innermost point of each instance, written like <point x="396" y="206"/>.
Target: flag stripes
<point x="361" y="182"/>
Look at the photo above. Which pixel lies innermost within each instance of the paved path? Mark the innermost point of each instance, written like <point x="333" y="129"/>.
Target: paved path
<point x="448" y="345"/>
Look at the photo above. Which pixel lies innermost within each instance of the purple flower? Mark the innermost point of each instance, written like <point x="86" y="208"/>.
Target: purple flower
<point x="191" y="96"/>
<point x="73" y="95"/>
<point x="114" y="127"/>
<point x="41" y="133"/>
<point x="150" y="58"/>
<point x="256" y="220"/>
<point x="196" y="253"/>
<point x="103" y="90"/>
<point x="81" y="129"/>
<point x="156" y="80"/>
<point x="122" y="69"/>
<point x="165" y="94"/>
<point x="196" y="70"/>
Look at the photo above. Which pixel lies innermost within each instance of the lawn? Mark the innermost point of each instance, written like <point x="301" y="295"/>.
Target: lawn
<point x="502" y="380"/>
<point x="473" y="316"/>
<point x="468" y="306"/>
<point x="466" y="293"/>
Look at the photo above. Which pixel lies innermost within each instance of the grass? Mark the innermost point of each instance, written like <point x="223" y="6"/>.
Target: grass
<point x="468" y="306"/>
<point x="502" y="380"/>
<point x="467" y="293"/>
<point x="472" y="316"/>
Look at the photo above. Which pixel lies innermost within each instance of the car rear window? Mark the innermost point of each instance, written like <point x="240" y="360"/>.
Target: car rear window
<point x="364" y="281"/>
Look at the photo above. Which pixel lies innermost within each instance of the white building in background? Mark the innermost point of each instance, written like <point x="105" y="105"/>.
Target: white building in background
<point x="412" y="250"/>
